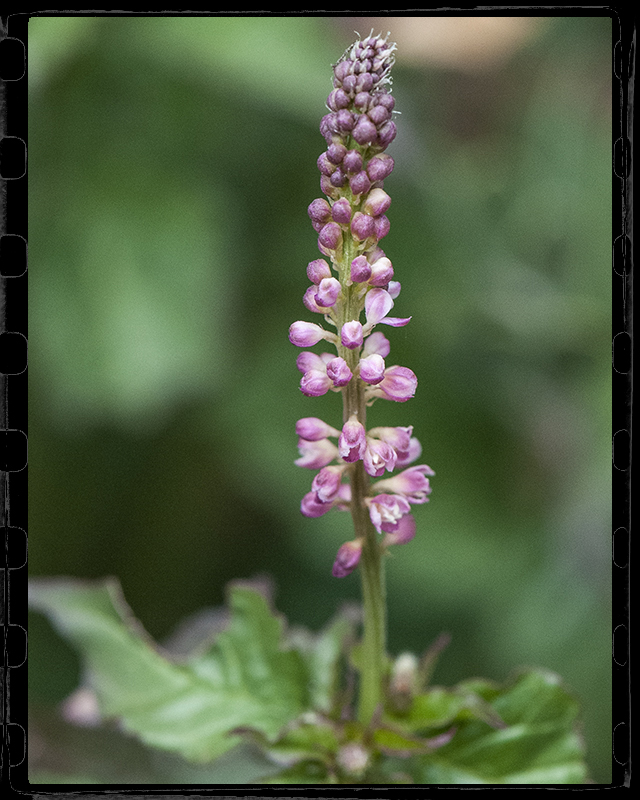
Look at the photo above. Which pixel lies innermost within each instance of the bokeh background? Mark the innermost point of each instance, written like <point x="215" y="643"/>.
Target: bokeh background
<point x="171" y="164"/>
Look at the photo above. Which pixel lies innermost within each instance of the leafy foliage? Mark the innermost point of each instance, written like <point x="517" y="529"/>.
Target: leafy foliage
<point x="282" y="691"/>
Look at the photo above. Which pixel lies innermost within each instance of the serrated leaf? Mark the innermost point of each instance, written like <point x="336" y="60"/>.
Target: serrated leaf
<point x="538" y="746"/>
<point x="244" y="679"/>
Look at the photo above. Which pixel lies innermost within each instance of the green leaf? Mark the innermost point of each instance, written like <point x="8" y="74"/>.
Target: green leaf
<point x="244" y="679"/>
<point x="322" y="654"/>
<point x="538" y="746"/>
<point x="307" y="772"/>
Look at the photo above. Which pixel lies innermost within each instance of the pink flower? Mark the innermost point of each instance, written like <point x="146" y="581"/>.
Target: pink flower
<point x="326" y="483"/>
<point x="386" y="510"/>
<point x="376" y="343"/>
<point x="313" y="429"/>
<point x="306" y="334"/>
<point x="352" y="441"/>
<point x="404" y="531"/>
<point x="328" y="292"/>
<point x="377" y="305"/>
<point x="399" y="384"/>
<point x="339" y="372"/>
<point x="308" y="360"/>
<point x="312" y="507"/>
<point x="360" y="269"/>
<point x="351" y="335"/>
<point x="407" y="457"/>
<point x="381" y="272"/>
<point x="377" y="202"/>
<point x="310" y="302"/>
<point x="372" y="369"/>
<point x="316" y="454"/>
<point x="318" y="270"/>
<point x="412" y="483"/>
<point x="379" y="456"/>
<point x="398" y="438"/>
<point x="315" y="383"/>
<point x="347" y="558"/>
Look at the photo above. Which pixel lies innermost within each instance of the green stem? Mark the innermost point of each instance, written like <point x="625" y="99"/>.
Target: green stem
<point x="373" y="650"/>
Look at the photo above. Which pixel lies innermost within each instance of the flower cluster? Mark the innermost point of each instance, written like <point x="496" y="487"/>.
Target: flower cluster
<point x="359" y="281"/>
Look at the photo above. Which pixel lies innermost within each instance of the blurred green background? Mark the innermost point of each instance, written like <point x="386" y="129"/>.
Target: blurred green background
<point x="171" y="164"/>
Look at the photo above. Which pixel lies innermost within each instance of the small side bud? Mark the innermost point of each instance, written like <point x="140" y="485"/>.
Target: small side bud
<point x="347" y="558"/>
<point x="362" y="226"/>
<point x="351" y="335"/>
<point x="318" y="270"/>
<point x="404" y="681"/>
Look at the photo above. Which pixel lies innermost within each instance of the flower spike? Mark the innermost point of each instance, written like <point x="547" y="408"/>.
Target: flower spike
<point x="354" y="287"/>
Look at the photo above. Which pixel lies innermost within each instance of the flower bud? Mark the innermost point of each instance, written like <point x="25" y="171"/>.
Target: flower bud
<point x="380" y="167"/>
<point x="339" y="372"/>
<point x="336" y="152"/>
<point x="387" y="134"/>
<point x="316" y="454"/>
<point x="378" y="115"/>
<point x="309" y="300"/>
<point x="325" y="166"/>
<point x="318" y="270"/>
<point x="312" y="507"/>
<point x="404" y="682"/>
<point x="352" y="441"/>
<point x="360" y="269"/>
<point x="345" y="121"/>
<point x="386" y="100"/>
<point x="377" y="203"/>
<point x="359" y="183"/>
<point x="326" y="484"/>
<point x="382" y="226"/>
<point x="364" y="82"/>
<point x="330" y="236"/>
<point x="315" y="383"/>
<point x="362" y="226"/>
<point x="328" y="127"/>
<point x="365" y="131"/>
<point x="308" y="360"/>
<point x="338" y="178"/>
<point x="361" y="100"/>
<point x="399" y="384"/>
<point x="306" y="334"/>
<point x="338" y="99"/>
<point x="313" y="429"/>
<point x="351" y="335"/>
<point x="328" y="292"/>
<point x="341" y="211"/>
<point x="346" y="561"/>
<point x="381" y="272"/>
<point x="319" y="211"/>
<point x="352" y="162"/>
<point x="372" y="369"/>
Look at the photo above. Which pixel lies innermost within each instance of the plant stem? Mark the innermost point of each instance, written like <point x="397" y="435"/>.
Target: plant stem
<point x="373" y="651"/>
